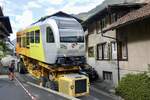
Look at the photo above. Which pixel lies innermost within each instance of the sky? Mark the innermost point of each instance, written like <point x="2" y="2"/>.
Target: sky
<point x="24" y="12"/>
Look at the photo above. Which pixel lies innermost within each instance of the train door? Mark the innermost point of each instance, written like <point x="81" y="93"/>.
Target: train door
<point x="50" y="45"/>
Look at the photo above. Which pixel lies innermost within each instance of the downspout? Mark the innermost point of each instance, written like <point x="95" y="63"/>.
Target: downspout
<point x="118" y="67"/>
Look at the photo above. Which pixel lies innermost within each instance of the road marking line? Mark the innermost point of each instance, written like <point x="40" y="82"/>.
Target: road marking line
<point x="32" y="97"/>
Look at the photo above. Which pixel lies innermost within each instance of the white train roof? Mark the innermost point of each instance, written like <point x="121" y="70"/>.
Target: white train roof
<point x="57" y="16"/>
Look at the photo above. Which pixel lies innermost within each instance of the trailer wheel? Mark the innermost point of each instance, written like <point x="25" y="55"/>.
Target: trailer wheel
<point x="44" y="81"/>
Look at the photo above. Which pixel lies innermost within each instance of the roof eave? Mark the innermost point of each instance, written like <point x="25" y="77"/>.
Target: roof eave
<point x="110" y="6"/>
<point x="113" y="26"/>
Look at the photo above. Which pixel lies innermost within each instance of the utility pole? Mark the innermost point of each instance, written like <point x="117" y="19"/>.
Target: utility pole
<point x="118" y="66"/>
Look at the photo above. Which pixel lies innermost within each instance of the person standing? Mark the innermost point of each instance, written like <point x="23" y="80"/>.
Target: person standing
<point x="11" y="70"/>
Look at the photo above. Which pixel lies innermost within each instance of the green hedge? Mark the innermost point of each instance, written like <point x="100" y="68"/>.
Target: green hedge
<point x="134" y="87"/>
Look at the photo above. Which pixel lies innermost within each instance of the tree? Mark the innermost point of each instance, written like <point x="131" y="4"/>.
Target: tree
<point x="4" y="48"/>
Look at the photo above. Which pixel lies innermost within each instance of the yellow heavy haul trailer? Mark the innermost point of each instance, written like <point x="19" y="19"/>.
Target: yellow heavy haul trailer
<point x="53" y="49"/>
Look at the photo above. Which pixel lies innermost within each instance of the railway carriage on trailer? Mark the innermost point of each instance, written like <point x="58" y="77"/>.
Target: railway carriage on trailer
<point x="54" y="45"/>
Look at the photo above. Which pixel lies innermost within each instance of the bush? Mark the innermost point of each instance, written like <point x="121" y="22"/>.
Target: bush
<point x="134" y="87"/>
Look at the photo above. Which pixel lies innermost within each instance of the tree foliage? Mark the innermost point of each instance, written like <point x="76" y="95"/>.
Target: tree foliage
<point x="4" y="48"/>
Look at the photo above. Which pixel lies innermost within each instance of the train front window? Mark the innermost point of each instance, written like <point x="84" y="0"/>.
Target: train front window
<point x="79" y="39"/>
<point x="70" y="30"/>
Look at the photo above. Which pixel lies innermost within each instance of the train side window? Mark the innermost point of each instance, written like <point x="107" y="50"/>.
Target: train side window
<point x="32" y="37"/>
<point x="49" y="35"/>
<point x="37" y="36"/>
<point x="19" y="40"/>
<point x="21" y="45"/>
<point x="28" y="38"/>
<point x="24" y="41"/>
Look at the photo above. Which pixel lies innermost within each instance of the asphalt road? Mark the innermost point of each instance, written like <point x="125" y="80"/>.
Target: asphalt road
<point x="12" y="90"/>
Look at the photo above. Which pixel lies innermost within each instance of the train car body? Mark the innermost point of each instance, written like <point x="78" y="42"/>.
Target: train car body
<point x="56" y="40"/>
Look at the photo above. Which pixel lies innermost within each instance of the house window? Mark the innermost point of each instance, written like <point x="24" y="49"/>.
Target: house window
<point x="113" y="17"/>
<point x="37" y="36"/>
<point x="107" y="19"/>
<point x="91" y="28"/>
<point x="91" y="52"/>
<point x="113" y="50"/>
<point x="98" y="27"/>
<point x="49" y="35"/>
<point x="102" y="51"/>
<point x="107" y="75"/>
<point x="122" y="50"/>
<point x="32" y="37"/>
<point x="103" y="23"/>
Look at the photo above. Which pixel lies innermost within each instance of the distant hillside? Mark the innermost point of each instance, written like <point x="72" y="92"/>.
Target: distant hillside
<point x="86" y="15"/>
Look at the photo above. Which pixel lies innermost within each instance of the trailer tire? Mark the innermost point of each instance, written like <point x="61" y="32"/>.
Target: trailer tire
<point x="44" y="81"/>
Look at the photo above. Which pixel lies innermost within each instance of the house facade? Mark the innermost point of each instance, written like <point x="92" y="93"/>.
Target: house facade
<point x="134" y="28"/>
<point x="5" y="27"/>
<point x="5" y="30"/>
<point x="102" y="50"/>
